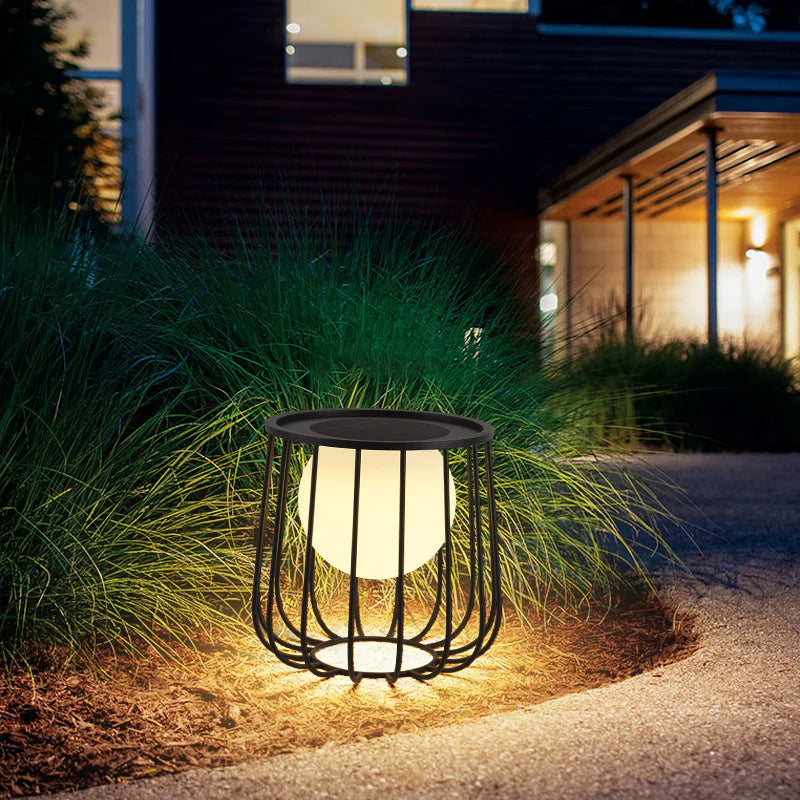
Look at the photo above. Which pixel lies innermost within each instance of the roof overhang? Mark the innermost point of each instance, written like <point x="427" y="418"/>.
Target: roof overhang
<point x="757" y="117"/>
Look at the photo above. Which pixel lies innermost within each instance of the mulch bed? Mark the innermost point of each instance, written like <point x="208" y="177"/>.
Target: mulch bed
<point x="121" y="717"/>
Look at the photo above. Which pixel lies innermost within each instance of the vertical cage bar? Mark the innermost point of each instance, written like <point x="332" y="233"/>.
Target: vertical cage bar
<point x="445" y="643"/>
<point x="479" y="539"/>
<point x="353" y="603"/>
<point x="308" y="571"/>
<point x="496" y="612"/>
<point x="475" y="647"/>
<point x="473" y="507"/>
<point x="398" y="586"/>
<point x="275" y="558"/>
<point x="257" y="611"/>
<point x="437" y="603"/>
<point x="448" y="562"/>
<point x="281" y="520"/>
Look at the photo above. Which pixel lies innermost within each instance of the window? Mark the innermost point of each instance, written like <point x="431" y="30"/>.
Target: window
<point x="349" y="41"/>
<point x="97" y="23"/>
<point x="120" y="63"/>
<point x="519" y="6"/>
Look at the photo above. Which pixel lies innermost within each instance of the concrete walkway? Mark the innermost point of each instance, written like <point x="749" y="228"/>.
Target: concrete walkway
<point x="724" y="723"/>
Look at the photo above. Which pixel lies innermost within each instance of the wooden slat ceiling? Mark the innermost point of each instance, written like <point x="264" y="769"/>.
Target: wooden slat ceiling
<point x="758" y="163"/>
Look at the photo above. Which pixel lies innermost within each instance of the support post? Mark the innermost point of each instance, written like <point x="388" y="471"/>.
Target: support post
<point x="568" y="281"/>
<point x="627" y="215"/>
<point x="712" y="256"/>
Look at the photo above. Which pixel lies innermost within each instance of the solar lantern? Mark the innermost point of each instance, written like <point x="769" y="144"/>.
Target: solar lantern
<point x="376" y="500"/>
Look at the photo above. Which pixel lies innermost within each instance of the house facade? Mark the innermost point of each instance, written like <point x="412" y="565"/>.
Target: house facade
<point x="558" y="138"/>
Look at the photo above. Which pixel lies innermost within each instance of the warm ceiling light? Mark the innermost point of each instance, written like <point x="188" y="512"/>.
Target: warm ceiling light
<point x="386" y="80"/>
<point x="293" y="27"/>
<point x="377" y="500"/>
<point x="401" y="52"/>
<point x="290" y="49"/>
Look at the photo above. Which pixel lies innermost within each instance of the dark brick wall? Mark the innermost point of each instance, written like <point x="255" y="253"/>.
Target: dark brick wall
<point x="458" y="136"/>
<point x="493" y="110"/>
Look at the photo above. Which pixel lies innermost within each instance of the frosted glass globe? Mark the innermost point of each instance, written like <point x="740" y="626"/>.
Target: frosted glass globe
<point x="378" y="508"/>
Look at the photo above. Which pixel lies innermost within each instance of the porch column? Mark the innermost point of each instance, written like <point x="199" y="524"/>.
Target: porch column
<point x="711" y="231"/>
<point x="627" y="216"/>
<point x="568" y="287"/>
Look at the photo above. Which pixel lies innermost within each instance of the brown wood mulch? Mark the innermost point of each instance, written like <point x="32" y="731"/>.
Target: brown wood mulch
<point x="123" y="718"/>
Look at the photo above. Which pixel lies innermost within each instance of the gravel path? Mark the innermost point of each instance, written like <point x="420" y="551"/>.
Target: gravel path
<point x="724" y="723"/>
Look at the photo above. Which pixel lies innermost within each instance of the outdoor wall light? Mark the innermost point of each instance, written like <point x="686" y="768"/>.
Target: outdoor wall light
<point x="756" y="270"/>
<point x="376" y="500"/>
<point x="548" y="303"/>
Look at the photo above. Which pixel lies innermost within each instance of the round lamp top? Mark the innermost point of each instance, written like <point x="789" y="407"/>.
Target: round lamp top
<point x="380" y="429"/>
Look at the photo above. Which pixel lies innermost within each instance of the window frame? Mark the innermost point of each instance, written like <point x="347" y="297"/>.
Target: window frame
<point x="338" y="77"/>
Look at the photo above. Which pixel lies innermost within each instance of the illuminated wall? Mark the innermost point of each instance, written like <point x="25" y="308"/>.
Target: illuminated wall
<point x="790" y="273"/>
<point x="670" y="280"/>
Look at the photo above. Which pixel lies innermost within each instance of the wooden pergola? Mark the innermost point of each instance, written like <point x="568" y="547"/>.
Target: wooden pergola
<point x="727" y="144"/>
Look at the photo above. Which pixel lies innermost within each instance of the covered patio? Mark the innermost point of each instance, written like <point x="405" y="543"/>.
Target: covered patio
<point x="687" y="222"/>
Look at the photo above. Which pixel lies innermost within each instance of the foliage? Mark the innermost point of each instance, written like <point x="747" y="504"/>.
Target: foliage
<point x="690" y="395"/>
<point x="48" y="127"/>
<point x="137" y="380"/>
<point x="738" y="14"/>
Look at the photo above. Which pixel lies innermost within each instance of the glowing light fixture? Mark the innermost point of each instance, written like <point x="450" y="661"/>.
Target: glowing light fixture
<point x="376" y="500"/>
<point x="402" y="52"/>
<point x="758" y="230"/>
<point x="379" y="532"/>
<point x="548" y="302"/>
<point x="386" y="80"/>
<point x="293" y="27"/>
<point x="756" y="270"/>
<point x="290" y="50"/>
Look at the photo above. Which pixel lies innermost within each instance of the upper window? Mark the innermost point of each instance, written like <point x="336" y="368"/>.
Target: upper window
<point x="349" y="41"/>
<point x="520" y="6"/>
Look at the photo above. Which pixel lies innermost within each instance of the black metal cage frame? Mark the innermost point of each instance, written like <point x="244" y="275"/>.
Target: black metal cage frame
<point x="396" y="430"/>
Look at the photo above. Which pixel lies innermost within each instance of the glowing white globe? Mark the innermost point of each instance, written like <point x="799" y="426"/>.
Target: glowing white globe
<point x="378" y="508"/>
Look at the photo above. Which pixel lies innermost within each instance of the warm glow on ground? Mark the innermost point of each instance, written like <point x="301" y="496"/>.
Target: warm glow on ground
<point x="374" y="656"/>
<point x="229" y="700"/>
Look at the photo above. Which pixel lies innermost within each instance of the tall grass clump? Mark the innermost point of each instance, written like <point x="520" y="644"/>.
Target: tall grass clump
<point x="136" y="381"/>
<point x="690" y="395"/>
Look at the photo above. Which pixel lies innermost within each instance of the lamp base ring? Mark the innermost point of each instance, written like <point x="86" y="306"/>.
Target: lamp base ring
<point x="373" y="656"/>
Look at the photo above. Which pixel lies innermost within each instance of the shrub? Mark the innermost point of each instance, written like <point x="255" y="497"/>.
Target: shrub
<point x="691" y="395"/>
<point x="137" y="380"/>
<point x="48" y="119"/>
